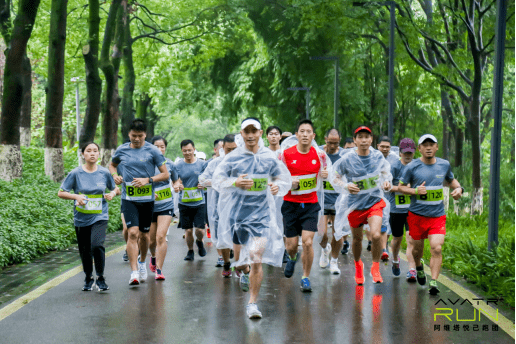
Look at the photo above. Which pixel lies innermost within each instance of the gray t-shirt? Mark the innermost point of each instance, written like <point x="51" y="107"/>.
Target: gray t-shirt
<point x="93" y="185"/>
<point x="417" y="172"/>
<point x="330" y="195"/>
<point x="365" y="167"/>
<point x="138" y="163"/>
<point x="189" y="173"/>
<point x="163" y="190"/>
<point x="399" y="202"/>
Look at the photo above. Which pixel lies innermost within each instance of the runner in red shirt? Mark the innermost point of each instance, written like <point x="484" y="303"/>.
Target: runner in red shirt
<point x="301" y="207"/>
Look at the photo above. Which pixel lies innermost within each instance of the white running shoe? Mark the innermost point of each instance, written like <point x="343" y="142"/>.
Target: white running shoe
<point x="325" y="257"/>
<point x="143" y="271"/>
<point x="135" y="278"/>
<point x="334" y="268"/>
<point x="253" y="312"/>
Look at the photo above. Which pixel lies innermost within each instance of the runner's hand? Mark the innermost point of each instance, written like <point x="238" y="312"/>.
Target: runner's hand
<point x="274" y="188"/>
<point x="118" y="180"/>
<point x="421" y="189"/>
<point x="456" y="193"/>
<point x="353" y="189"/>
<point x="199" y="186"/>
<point x="295" y="183"/>
<point x="324" y="173"/>
<point x="386" y="186"/>
<point x="81" y="199"/>
<point x="139" y="182"/>
<point x="178" y="186"/>
<point x="110" y="196"/>
<point x="243" y="183"/>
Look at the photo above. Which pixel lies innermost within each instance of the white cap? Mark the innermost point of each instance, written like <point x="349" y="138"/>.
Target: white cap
<point x="427" y="136"/>
<point x="252" y="122"/>
<point x="200" y="155"/>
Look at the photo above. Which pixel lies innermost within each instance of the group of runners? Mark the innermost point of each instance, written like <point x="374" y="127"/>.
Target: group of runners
<point x="262" y="203"/>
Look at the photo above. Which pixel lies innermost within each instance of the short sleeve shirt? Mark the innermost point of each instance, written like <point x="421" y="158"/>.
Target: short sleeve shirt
<point x="137" y="163"/>
<point x="330" y="197"/>
<point x="163" y="190"/>
<point x="189" y="174"/>
<point x="90" y="184"/>
<point x="302" y="165"/>
<point x="434" y="176"/>
<point x="397" y="169"/>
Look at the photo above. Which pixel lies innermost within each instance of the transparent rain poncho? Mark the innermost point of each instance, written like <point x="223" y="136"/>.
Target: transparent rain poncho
<point x="248" y="217"/>
<point x="351" y="169"/>
<point x="205" y="179"/>
<point x="325" y="164"/>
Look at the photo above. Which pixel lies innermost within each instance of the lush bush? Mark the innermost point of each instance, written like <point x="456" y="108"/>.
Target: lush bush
<point x="465" y="254"/>
<point x="33" y="220"/>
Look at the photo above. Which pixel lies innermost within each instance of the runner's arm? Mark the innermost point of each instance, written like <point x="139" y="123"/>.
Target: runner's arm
<point x="457" y="189"/>
<point x="113" y="171"/>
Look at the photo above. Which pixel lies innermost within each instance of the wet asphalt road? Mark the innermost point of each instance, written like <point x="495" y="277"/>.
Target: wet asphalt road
<point x="196" y="305"/>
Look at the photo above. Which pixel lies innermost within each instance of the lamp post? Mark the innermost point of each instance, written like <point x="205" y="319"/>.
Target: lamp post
<point x="77" y="115"/>
<point x="496" y="140"/>
<point x="392" y="7"/>
<point x="336" y="86"/>
<point x="307" y="89"/>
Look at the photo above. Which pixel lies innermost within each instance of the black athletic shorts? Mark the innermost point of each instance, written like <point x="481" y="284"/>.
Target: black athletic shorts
<point x="298" y="217"/>
<point x="192" y="217"/>
<point x="329" y="212"/>
<point x="168" y="212"/>
<point x="138" y="214"/>
<point x="243" y="228"/>
<point x="397" y="222"/>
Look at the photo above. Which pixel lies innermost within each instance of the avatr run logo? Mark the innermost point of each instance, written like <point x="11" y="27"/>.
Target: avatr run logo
<point x="466" y="314"/>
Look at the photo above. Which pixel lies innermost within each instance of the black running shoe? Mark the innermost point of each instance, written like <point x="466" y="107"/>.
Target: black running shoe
<point x="190" y="255"/>
<point x="202" y="250"/>
<point x="345" y="248"/>
<point x="421" y="277"/>
<point x="433" y="290"/>
<point x="101" y="284"/>
<point x="369" y="246"/>
<point x="289" y="268"/>
<point x="88" y="284"/>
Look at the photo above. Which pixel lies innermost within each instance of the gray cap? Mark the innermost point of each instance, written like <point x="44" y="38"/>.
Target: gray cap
<point x="426" y="136"/>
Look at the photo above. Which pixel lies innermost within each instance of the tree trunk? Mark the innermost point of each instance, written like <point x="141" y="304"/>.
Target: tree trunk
<point x="129" y="77"/>
<point x="54" y="167"/>
<point x="93" y="82"/>
<point x="26" y="109"/>
<point x="110" y="110"/>
<point x="10" y="156"/>
<point x="474" y="122"/>
<point x="459" y="145"/>
<point x="151" y="122"/>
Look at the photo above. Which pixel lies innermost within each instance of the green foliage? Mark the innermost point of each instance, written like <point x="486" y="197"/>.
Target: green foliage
<point x="34" y="220"/>
<point x="465" y="254"/>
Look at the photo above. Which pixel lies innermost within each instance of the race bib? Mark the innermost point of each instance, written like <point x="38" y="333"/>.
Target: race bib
<point x="307" y="184"/>
<point x="163" y="194"/>
<point x="133" y="193"/>
<point x="434" y="195"/>
<point x="367" y="183"/>
<point x="93" y="206"/>
<point x="191" y="195"/>
<point x="402" y="201"/>
<point x="328" y="188"/>
<point x="259" y="184"/>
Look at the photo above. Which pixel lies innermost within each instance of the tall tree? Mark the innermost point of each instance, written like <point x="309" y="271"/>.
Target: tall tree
<point x="127" y="112"/>
<point x="10" y="154"/>
<point x="26" y="108"/>
<point x="54" y="167"/>
<point x="93" y="81"/>
<point x="110" y="69"/>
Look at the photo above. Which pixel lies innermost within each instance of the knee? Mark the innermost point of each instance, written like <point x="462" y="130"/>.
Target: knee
<point x="376" y="236"/>
<point x="133" y="235"/>
<point x="307" y="243"/>
<point x="436" y="250"/>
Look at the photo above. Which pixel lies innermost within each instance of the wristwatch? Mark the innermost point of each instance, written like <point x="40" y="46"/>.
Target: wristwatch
<point x="150" y="180"/>
<point x="462" y="189"/>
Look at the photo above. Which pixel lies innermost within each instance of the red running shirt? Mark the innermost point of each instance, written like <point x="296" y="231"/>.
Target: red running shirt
<point x="307" y="165"/>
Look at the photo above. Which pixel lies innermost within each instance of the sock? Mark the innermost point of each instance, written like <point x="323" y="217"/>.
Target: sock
<point x="396" y="261"/>
<point x="293" y="259"/>
<point x="420" y="268"/>
<point x="334" y="260"/>
<point x="227" y="266"/>
<point x="220" y="257"/>
<point x="304" y="277"/>
<point x="135" y="271"/>
<point x="153" y="260"/>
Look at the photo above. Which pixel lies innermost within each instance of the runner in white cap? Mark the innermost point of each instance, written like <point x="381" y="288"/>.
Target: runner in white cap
<point x="426" y="217"/>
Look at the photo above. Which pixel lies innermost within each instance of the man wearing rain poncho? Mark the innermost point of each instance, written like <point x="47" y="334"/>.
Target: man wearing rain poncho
<point x="361" y="175"/>
<point x="246" y="181"/>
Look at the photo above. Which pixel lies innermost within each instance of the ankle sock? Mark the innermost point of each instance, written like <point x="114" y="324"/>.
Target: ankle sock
<point x="334" y="260"/>
<point x="420" y="268"/>
<point x="153" y="260"/>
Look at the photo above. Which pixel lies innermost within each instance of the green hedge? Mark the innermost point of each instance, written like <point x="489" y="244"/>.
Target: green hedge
<point x="33" y="220"/>
<point x="465" y="254"/>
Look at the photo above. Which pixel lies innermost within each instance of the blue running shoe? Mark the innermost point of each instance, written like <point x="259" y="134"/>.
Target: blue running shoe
<point x="305" y="285"/>
<point x="244" y="282"/>
<point x="289" y="268"/>
<point x="396" y="271"/>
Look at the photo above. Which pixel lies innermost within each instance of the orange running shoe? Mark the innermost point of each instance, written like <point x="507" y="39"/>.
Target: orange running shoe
<point x="375" y="272"/>
<point x="208" y="235"/>
<point x="359" y="272"/>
